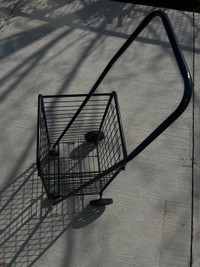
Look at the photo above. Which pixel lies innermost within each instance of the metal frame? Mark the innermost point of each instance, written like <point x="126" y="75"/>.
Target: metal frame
<point x="75" y="161"/>
<point x="187" y="80"/>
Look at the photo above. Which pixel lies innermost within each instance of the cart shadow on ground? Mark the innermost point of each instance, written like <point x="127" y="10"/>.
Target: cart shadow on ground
<point x="30" y="225"/>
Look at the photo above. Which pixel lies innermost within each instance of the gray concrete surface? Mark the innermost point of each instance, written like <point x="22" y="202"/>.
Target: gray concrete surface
<point x="196" y="186"/>
<point x="60" y="47"/>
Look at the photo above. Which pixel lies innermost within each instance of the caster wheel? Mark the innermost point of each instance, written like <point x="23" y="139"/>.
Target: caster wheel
<point x="94" y="136"/>
<point x="101" y="202"/>
<point x="53" y="154"/>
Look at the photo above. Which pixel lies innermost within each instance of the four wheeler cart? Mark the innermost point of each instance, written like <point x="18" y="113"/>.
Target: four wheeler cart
<point x="80" y="140"/>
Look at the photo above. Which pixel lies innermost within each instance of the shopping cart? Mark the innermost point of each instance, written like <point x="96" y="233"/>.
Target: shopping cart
<point x="80" y="140"/>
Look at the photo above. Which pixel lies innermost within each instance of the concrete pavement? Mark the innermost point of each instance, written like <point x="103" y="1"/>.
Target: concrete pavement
<point x="61" y="47"/>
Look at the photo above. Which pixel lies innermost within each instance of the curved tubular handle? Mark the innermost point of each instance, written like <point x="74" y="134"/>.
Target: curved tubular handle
<point x="182" y="67"/>
<point x="184" y="71"/>
<point x="174" y="44"/>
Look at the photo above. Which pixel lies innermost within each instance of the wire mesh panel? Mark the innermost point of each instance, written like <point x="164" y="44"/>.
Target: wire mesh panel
<point x="112" y="149"/>
<point x="77" y="160"/>
<point x="43" y="144"/>
<point x="60" y="110"/>
<point x="43" y="139"/>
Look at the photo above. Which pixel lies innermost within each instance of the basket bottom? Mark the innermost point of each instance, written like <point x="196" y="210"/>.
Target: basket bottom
<point x="76" y="164"/>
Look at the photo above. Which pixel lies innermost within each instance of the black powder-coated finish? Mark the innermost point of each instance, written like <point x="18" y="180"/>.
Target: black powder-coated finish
<point x="107" y="157"/>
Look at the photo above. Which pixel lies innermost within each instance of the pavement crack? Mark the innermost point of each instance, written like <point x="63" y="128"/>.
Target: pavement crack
<point x="193" y="150"/>
<point x="10" y="14"/>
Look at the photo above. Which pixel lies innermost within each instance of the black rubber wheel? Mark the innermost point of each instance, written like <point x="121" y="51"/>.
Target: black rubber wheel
<point x="53" y="154"/>
<point x="94" y="136"/>
<point x="101" y="202"/>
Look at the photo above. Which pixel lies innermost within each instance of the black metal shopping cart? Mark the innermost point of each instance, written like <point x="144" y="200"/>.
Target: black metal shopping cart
<point x="80" y="143"/>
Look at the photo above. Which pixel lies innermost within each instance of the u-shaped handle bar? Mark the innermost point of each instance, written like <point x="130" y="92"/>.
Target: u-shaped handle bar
<point x="173" y="116"/>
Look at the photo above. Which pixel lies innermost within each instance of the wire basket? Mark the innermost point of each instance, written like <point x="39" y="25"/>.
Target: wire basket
<point x="94" y="143"/>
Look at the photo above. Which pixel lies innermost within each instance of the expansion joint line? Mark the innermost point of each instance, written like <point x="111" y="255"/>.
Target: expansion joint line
<point x="10" y="14"/>
<point x="193" y="145"/>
